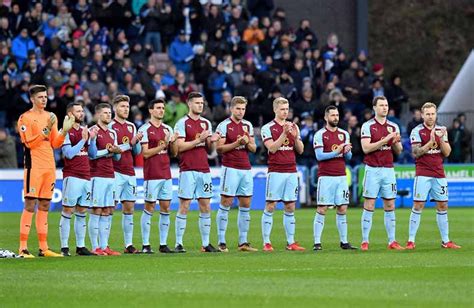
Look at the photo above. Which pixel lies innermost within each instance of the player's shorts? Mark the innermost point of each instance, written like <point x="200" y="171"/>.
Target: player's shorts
<point x="236" y="182"/>
<point x="194" y="184"/>
<point x="436" y="188"/>
<point x="158" y="190"/>
<point x="39" y="183"/>
<point x="102" y="192"/>
<point x="125" y="187"/>
<point x="76" y="191"/>
<point x="332" y="190"/>
<point x="379" y="180"/>
<point x="282" y="187"/>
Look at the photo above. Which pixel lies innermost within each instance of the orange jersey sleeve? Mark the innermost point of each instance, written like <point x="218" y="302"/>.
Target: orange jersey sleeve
<point x="56" y="137"/>
<point x="31" y="135"/>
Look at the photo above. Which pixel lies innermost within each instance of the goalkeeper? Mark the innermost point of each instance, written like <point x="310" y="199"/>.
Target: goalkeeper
<point x="39" y="134"/>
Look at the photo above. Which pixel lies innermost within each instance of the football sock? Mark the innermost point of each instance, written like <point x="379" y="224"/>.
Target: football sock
<point x="164" y="227"/>
<point x="180" y="227"/>
<point x="205" y="227"/>
<point x="94" y="230"/>
<point x="243" y="223"/>
<point x="341" y="223"/>
<point x="443" y="225"/>
<point x="42" y="229"/>
<point x="80" y="229"/>
<point x="415" y="218"/>
<point x="390" y="222"/>
<point x="289" y="224"/>
<point x="267" y="223"/>
<point x="103" y="231"/>
<point x="109" y="226"/>
<point x="127" y="226"/>
<point x="146" y="226"/>
<point x="25" y="227"/>
<point x="64" y="228"/>
<point x="318" y="227"/>
<point x="222" y="218"/>
<point x="366" y="224"/>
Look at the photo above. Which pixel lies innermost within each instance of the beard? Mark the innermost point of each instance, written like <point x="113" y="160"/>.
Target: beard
<point x="333" y="123"/>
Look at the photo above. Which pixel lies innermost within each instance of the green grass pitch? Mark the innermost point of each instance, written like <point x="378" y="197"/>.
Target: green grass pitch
<point x="429" y="276"/>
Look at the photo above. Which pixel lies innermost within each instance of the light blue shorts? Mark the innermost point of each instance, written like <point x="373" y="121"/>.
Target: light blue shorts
<point x="282" y="187"/>
<point x="195" y="185"/>
<point x="236" y="182"/>
<point x="332" y="190"/>
<point x="436" y="188"/>
<point x="102" y="192"/>
<point x="125" y="187"/>
<point x="158" y="190"/>
<point x="76" y="191"/>
<point x="378" y="180"/>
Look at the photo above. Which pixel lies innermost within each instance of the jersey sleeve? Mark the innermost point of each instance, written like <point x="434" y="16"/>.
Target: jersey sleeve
<point x="266" y="133"/>
<point x="251" y="129"/>
<point x="415" y="136"/>
<point x="365" y="131"/>
<point x="318" y="140"/>
<point x="56" y="138"/>
<point x="222" y="129"/>
<point x="144" y="130"/>
<point x="209" y="127"/>
<point x="67" y="140"/>
<point x="180" y="128"/>
<point x="30" y="134"/>
<point x="170" y="132"/>
<point x="397" y="128"/>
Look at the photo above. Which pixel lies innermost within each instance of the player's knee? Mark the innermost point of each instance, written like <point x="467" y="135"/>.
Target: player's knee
<point x="270" y="207"/>
<point x="81" y="209"/>
<point x="418" y="206"/>
<point x="68" y="210"/>
<point x="165" y="208"/>
<point x="321" y="209"/>
<point x="227" y="202"/>
<point x="442" y="206"/>
<point x="342" y="210"/>
<point x="290" y="207"/>
<point x="149" y="207"/>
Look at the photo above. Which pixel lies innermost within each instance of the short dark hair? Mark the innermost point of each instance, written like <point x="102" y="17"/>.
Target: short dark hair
<point x="71" y="105"/>
<point x="121" y="98"/>
<point x="101" y="106"/>
<point x="193" y="95"/>
<point x="152" y="103"/>
<point x="378" y="98"/>
<point x="34" y="89"/>
<point x="329" y="108"/>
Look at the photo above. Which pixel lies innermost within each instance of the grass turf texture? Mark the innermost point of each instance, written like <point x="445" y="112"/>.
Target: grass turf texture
<point x="427" y="276"/>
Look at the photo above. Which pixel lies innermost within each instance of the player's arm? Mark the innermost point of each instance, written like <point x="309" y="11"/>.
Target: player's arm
<point x="444" y="143"/>
<point x="57" y="137"/>
<point x="115" y="150"/>
<point x="184" y="146"/>
<point x="70" y="151"/>
<point x="31" y="135"/>
<point x="211" y="142"/>
<point x="135" y="142"/>
<point x="224" y="148"/>
<point x="251" y="145"/>
<point x="299" y="145"/>
<point x="274" y="145"/>
<point x="369" y="147"/>
<point x="397" y="147"/>
<point x="150" y="152"/>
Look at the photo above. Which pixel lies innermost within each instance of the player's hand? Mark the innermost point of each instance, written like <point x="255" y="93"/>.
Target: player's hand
<point x="51" y="121"/>
<point x="245" y="139"/>
<point x="137" y="138"/>
<point x="287" y="127"/>
<point x="68" y="122"/>
<point x="397" y="138"/>
<point x="389" y="137"/>
<point x="85" y="133"/>
<point x="215" y="137"/>
<point x="115" y="149"/>
<point x="174" y="137"/>
<point x="442" y="132"/>
<point x="93" y="132"/>
<point x="294" y="130"/>
<point x="204" y="135"/>
<point x="347" y="148"/>
<point x="339" y="148"/>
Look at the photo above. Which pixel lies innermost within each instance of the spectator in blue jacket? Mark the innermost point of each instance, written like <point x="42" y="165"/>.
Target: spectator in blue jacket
<point x="20" y="47"/>
<point x="181" y="53"/>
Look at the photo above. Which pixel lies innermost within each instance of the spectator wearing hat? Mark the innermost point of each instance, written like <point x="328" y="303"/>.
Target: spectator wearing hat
<point x="253" y="35"/>
<point x="181" y="53"/>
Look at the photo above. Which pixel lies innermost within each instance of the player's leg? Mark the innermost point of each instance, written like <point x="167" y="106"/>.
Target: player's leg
<point x="25" y="226"/>
<point x="127" y="199"/>
<point x="229" y="182"/>
<point x="388" y="192"/>
<point x="186" y="192"/>
<point x="290" y="195"/>
<point x="106" y="217"/>
<point x="164" y="196"/>
<point x="421" y="188"/>
<point x="72" y="191"/>
<point x="243" y="223"/>
<point x="42" y="228"/>
<point x="204" y="195"/>
<point x="275" y="186"/>
<point x="342" y="202"/>
<point x="80" y="227"/>
<point x="371" y="188"/>
<point x="93" y="228"/>
<point x="439" y="193"/>
<point x="151" y="188"/>
<point x="326" y="192"/>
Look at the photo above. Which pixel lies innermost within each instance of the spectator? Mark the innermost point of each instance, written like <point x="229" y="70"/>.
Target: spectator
<point x="175" y="109"/>
<point x="353" y="129"/>
<point x="8" y="159"/>
<point x="94" y="86"/>
<point x="415" y="121"/>
<point x="81" y="12"/>
<point x="396" y="95"/>
<point x="53" y="75"/>
<point x="217" y="83"/>
<point x="181" y="53"/>
<point x="457" y="138"/>
<point x="150" y="15"/>
<point x="260" y="8"/>
<point x="181" y="86"/>
<point x="253" y="35"/>
<point x="304" y="33"/>
<point x="307" y="130"/>
<point x="307" y="103"/>
<point x="21" y="46"/>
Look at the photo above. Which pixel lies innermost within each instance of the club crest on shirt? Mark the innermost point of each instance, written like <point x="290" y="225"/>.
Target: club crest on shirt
<point x="125" y="139"/>
<point x="111" y="135"/>
<point x="439" y="133"/>
<point x="203" y="125"/>
<point x="130" y="129"/>
<point x="23" y="128"/>
<point x="161" y="142"/>
<point x="340" y="136"/>
<point x="389" y="129"/>
<point x="245" y="128"/>
<point x="286" y="142"/>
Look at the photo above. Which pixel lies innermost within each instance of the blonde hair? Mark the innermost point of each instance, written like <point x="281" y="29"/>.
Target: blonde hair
<point x="238" y="100"/>
<point x="121" y="98"/>
<point x="279" y="101"/>
<point x="428" y="105"/>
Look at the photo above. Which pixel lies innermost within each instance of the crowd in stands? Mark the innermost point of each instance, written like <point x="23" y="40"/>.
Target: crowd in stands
<point x="90" y="51"/>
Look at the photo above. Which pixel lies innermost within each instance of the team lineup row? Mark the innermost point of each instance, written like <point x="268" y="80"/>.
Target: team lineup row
<point x="99" y="172"/>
